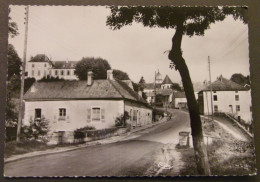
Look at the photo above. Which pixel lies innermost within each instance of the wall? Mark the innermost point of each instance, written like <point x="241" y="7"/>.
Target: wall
<point x="41" y="67"/>
<point x="179" y="100"/>
<point x="226" y="101"/>
<point x="166" y="86"/>
<point x="144" y="114"/>
<point x="65" y="75"/>
<point x="76" y="113"/>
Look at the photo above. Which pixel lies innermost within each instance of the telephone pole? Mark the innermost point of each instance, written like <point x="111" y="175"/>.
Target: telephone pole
<point x="212" y="113"/>
<point x="20" y="116"/>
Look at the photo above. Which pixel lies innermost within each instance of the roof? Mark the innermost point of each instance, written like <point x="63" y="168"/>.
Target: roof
<point x="151" y="86"/>
<point x="100" y="89"/>
<point x="179" y="95"/>
<point x="40" y="58"/>
<point x="64" y="64"/>
<point x="164" y="91"/>
<point x="167" y="80"/>
<point x="223" y="84"/>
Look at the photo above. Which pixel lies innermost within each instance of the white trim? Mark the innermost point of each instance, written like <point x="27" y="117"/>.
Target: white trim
<point x="91" y="113"/>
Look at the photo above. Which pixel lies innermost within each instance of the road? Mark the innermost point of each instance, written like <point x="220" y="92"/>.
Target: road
<point x="131" y="157"/>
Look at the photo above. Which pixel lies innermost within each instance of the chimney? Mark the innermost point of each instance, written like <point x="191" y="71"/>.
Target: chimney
<point x="110" y="75"/>
<point x="90" y="78"/>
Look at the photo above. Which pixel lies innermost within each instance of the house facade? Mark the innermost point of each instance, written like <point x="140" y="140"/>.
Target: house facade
<point x="227" y="97"/>
<point x="41" y="66"/>
<point x="69" y="105"/>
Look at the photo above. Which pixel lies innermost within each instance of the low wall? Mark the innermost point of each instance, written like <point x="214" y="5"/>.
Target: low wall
<point x="84" y="136"/>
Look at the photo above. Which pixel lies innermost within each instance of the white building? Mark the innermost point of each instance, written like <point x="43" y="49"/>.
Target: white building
<point x="41" y="66"/>
<point x="227" y="97"/>
<point x="179" y="100"/>
<point x="69" y="105"/>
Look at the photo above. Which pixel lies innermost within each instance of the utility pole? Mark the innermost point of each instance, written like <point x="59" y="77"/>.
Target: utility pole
<point x="212" y="113"/>
<point x="20" y="116"/>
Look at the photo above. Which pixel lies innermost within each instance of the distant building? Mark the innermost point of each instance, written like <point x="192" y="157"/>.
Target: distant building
<point x="69" y="105"/>
<point x="228" y="97"/>
<point x="160" y="86"/>
<point x="41" y="66"/>
<point x="179" y="100"/>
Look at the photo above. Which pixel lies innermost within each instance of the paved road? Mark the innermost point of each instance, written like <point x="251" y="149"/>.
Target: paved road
<point x="126" y="158"/>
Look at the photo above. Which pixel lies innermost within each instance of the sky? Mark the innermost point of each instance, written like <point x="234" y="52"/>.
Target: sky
<point x="73" y="32"/>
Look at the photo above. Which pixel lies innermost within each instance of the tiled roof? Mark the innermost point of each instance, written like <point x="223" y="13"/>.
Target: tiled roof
<point x="64" y="64"/>
<point x="164" y="91"/>
<point x="100" y="89"/>
<point x="167" y="80"/>
<point x="151" y="86"/>
<point x="223" y="84"/>
<point x="179" y="95"/>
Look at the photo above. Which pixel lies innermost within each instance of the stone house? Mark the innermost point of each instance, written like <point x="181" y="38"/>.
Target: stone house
<point x="69" y="105"/>
<point x="227" y="97"/>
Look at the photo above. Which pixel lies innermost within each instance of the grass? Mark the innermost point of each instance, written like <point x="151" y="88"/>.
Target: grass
<point x="227" y="156"/>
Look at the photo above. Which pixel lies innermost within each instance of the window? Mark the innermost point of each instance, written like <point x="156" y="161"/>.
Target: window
<point x="237" y="97"/>
<point x="214" y="92"/>
<point x="39" y="73"/>
<point x="215" y="108"/>
<point x="32" y="72"/>
<point x="135" y="115"/>
<point x="61" y="72"/>
<point x="96" y="113"/>
<point x="68" y="72"/>
<point x="237" y="108"/>
<point x="250" y="108"/>
<point x="50" y="72"/>
<point x="62" y="114"/>
<point x="215" y="97"/>
<point x="38" y="114"/>
<point x="56" y="72"/>
<point x="44" y="72"/>
<point x="33" y="65"/>
<point x="74" y="72"/>
<point x="45" y="65"/>
<point x="236" y="91"/>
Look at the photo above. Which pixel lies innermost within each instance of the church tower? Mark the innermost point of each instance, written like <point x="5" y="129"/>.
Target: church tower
<point x="158" y="77"/>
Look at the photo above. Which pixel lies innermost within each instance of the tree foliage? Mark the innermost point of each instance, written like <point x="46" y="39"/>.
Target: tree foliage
<point x="240" y="79"/>
<point x="14" y="62"/>
<point x="176" y="86"/>
<point x="186" y="21"/>
<point x="120" y="75"/>
<point x="12" y="27"/>
<point x="98" y="66"/>
<point x="195" y="20"/>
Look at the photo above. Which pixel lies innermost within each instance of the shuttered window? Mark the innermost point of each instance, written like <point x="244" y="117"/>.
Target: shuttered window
<point x="96" y="114"/>
<point x="88" y="115"/>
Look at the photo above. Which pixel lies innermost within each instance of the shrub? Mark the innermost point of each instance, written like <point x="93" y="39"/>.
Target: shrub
<point x="120" y="121"/>
<point x="36" y="130"/>
<point x="80" y="133"/>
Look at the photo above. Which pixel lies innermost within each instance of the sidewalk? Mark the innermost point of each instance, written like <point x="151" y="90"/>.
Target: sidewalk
<point x="113" y="139"/>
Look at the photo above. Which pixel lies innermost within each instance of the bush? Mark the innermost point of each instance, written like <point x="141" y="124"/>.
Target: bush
<point x="81" y="132"/>
<point x="120" y="121"/>
<point x="36" y="130"/>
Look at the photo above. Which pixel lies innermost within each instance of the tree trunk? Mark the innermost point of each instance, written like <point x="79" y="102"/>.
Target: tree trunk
<point x="175" y="56"/>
